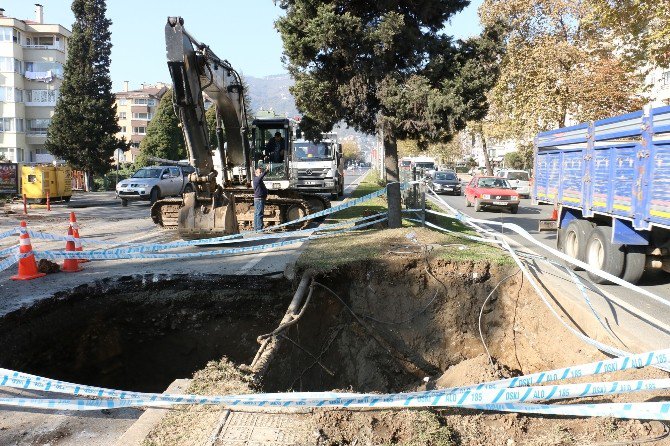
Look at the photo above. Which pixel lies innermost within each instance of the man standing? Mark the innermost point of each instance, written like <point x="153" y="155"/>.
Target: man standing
<point x="260" y="194"/>
<point x="275" y="149"/>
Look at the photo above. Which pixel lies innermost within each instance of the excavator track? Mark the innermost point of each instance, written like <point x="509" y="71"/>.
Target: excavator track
<point x="279" y="208"/>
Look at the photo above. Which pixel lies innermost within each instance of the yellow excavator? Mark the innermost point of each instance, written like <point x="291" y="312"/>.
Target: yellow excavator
<point x="222" y="206"/>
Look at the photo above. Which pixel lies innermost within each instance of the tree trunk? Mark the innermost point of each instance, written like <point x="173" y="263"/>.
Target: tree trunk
<point x="392" y="179"/>
<point x="487" y="161"/>
<point x="88" y="181"/>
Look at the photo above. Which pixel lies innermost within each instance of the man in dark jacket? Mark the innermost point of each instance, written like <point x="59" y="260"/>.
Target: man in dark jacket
<point x="260" y="194"/>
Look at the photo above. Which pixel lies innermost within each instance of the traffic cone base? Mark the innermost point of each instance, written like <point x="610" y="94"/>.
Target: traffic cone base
<point x="27" y="265"/>
<point x="554" y="214"/>
<point x="75" y="233"/>
<point x="28" y="269"/>
<point x="70" y="265"/>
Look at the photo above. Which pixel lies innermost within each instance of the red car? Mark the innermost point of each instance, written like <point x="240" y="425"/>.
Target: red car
<point x="491" y="191"/>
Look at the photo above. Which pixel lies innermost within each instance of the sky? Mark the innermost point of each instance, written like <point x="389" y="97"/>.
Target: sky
<point x="240" y="31"/>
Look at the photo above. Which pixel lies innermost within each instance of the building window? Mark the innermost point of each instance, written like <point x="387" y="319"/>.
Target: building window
<point x="38" y="126"/>
<point x="144" y="101"/>
<point x="56" y="68"/>
<point x="144" y="116"/>
<point x="123" y="101"/>
<point x="140" y="130"/>
<point x="9" y="34"/>
<point x="42" y="96"/>
<point x="13" y="154"/>
<point x="46" y="42"/>
<point x="9" y="94"/>
<point x="9" y="64"/>
<point x="123" y="129"/>
<point x="122" y="115"/>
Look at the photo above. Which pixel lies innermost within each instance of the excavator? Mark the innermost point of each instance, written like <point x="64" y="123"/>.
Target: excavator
<point x="224" y="206"/>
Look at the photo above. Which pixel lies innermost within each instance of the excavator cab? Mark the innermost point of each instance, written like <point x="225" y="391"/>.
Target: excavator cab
<point x="271" y="147"/>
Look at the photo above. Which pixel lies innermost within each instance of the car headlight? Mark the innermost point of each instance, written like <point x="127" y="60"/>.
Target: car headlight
<point x="486" y="196"/>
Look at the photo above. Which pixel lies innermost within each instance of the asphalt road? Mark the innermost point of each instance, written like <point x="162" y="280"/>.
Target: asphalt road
<point x="528" y="218"/>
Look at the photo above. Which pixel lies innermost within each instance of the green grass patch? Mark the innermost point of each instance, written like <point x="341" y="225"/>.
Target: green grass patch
<point x="368" y="185"/>
<point x="329" y="253"/>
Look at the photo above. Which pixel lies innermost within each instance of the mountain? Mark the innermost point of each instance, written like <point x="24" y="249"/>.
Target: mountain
<point x="272" y="93"/>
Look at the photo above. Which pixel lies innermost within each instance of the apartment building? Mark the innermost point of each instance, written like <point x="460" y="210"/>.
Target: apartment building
<point x="659" y="81"/>
<point x="135" y="109"/>
<point x="32" y="57"/>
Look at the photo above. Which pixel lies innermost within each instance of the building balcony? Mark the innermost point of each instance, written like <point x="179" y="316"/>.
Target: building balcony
<point x="36" y="133"/>
<point x="60" y="48"/>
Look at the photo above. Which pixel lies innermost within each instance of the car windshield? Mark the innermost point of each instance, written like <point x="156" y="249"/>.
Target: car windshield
<point x="496" y="183"/>
<point x="445" y="176"/>
<point x="310" y="151"/>
<point x="148" y="173"/>
<point x="426" y="166"/>
<point x="522" y="176"/>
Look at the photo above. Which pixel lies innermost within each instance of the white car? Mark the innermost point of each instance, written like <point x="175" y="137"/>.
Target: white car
<point x="518" y="179"/>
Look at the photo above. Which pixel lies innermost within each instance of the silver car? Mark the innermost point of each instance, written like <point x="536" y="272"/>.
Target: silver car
<point x="518" y="179"/>
<point x="155" y="182"/>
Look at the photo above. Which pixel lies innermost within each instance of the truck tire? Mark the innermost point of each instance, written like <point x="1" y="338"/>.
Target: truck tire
<point x="636" y="259"/>
<point x="514" y="209"/>
<point x="478" y="205"/>
<point x="334" y="196"/>
<point x="604" y="255"/>
<point x="154" y="195"/>
<point x="573" y="239"/>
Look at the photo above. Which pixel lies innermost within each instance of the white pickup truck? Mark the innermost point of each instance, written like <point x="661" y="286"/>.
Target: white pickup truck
<point x="155" y="182"/>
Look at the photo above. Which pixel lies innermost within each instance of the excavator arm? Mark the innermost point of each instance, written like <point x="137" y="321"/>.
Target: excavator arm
<point x="195" y="69"/>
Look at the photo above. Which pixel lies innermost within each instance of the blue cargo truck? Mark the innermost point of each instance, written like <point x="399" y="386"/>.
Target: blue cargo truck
<point x="611" y="182"/>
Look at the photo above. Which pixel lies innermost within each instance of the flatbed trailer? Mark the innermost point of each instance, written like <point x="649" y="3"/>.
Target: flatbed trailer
<point x="610" y="180"/>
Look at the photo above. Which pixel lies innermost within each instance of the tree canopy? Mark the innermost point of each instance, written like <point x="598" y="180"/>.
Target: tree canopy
<point x="164" y="138"/>
<point x="84" y="125"/>
<point x="386" y="65"/>
<point x="561" y="64"/>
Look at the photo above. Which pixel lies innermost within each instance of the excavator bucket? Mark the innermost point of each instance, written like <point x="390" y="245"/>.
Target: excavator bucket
<point x="201" y="218"/>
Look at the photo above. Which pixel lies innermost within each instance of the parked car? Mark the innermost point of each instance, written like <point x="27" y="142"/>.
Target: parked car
<point x="519" y="179"/>
<point x="446" y="182"/>
<point x="155" y="182"/>
<point x="484" y="191"/>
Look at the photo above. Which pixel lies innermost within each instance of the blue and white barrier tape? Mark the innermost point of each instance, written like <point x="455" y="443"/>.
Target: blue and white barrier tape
<point x="120" y="253"/>
<point x="10" y="250"/>
<point x="519" y="389"/>
<point x="218" y="240"/>
<point x="9" y="261"/>
<point x="9" y="233"/>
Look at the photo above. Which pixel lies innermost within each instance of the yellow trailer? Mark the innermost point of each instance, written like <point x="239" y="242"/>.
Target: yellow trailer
<point x="38" y="179"/>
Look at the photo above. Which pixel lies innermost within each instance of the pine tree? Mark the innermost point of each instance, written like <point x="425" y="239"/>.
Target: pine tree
<point x="84" y="126"/>
<point x="386" y="66"/>
<point x="164" y="137"/>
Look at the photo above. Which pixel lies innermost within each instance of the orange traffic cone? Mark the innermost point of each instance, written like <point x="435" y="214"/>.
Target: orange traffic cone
<point x="27" y="264"/>
<point x="554" y="214"/>
<point x="75" y="232"/>
<point x="70" y="265"/>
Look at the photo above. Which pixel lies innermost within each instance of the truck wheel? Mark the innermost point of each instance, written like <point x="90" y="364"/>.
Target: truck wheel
<point x="573" y="240"/>
<point x="478" y="205"/>
<point x="514" y="209"/>
<point x="636" y="259"/>
<point x="124" y="202"/>
<point x="154" y="195"/>
<point x="334" y="196"/>
<point x="604" y="255"/>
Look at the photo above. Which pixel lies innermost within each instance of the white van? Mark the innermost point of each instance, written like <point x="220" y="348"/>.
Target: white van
<point x="519" y="179"/>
